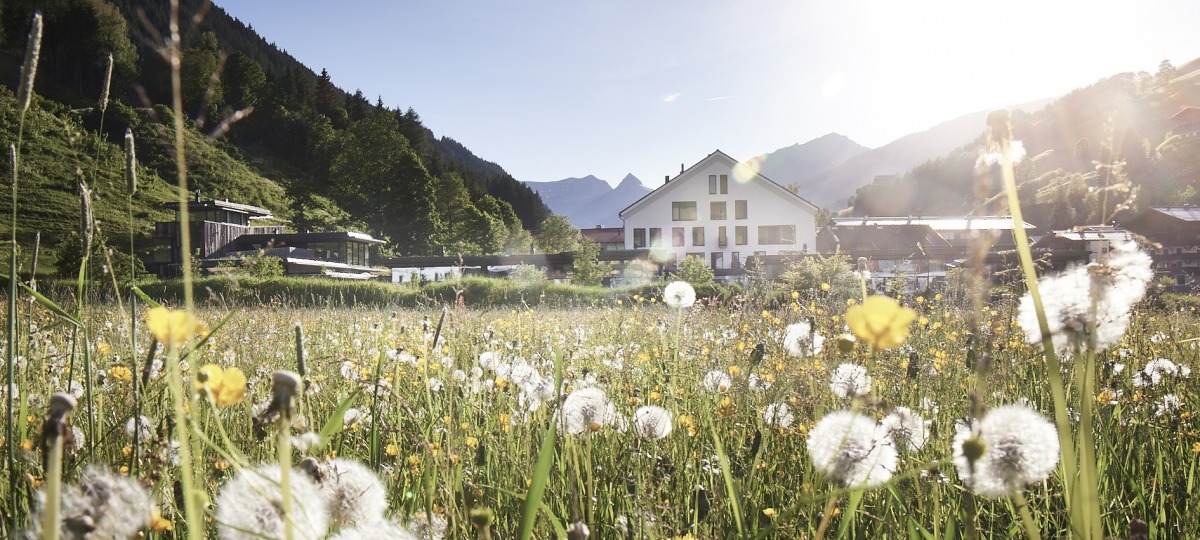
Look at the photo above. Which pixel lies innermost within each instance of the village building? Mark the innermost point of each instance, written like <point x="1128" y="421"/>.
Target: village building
<point x="223" y="231"/>
<point x="722" y="212"/>
<point x="1176" y="231"/>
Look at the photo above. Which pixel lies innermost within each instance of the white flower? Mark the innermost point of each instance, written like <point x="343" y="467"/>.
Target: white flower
<point x="756" y="383"/>
<point x="652" y="422"/>
<point x="1117" y="283"/>
<point x="250" y="506"/>
<point x="778" y="415"/>
<point x="141" y="425"/>
<point x="1156" y="369"/>
<point x="851" y="451"/>
<point x="379" y="530"/>
<point x="1018" y="447"/>
<point x="801" y="340"/>
<point x="717" y="381"/>
<point x="356" y="494"/>
<point x="679" y="295"/>
<point x="305" y="441"/>
<point x="850" y="380"/>
<point x="585" y="407"/>
<point x="1168" y="405"/>
<point x="101" y="505"/>
<point x="908" y="430"/>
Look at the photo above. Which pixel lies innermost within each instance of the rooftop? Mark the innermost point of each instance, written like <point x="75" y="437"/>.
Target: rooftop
<point x="937" y="223"/>
<point x="251" y="210"/>
<point x="1186" y="213"/>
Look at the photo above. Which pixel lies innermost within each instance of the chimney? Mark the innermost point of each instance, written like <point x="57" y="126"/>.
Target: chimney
<point x="680" y="168"/>
<point x="666" y="178"/>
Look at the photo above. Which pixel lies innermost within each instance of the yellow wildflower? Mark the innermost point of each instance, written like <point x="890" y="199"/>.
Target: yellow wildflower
<point x="771" y="513"/>
<point x="472" y="442"/>
<point x="159" y="523"/>
<point x="880" y="321"/>
<point x="825" y="287"/>
<point x="121" y="373"/>
<point x="173" y="326"/>
<point x="725" y="408"/>
<point x="392" y="450"/>
<point x="103" y="348"/>
<point x="224" y="387"/>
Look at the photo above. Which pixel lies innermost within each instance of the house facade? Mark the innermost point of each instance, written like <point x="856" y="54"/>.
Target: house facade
<point x="226" y="231"/>
<point x="722" y="213"/>
<point x="1176" y="230"/>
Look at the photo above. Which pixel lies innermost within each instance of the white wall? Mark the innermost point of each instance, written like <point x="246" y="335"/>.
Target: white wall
<point x="766" y="205"/>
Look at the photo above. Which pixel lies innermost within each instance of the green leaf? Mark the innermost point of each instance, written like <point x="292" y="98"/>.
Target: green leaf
<point x="334" y="424"/>
<point x="149" y="301"/>
<point x="47" y="303"/>
<point x="541" y="470"/>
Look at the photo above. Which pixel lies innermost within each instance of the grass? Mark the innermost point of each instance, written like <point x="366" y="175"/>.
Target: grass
<point x="460" y="444"/>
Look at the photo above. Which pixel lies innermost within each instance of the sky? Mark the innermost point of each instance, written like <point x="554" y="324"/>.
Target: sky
<point x="569" y="88"/>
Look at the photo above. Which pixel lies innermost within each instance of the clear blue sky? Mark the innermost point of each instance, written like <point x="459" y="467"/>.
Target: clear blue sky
<point x="561" y="88"/>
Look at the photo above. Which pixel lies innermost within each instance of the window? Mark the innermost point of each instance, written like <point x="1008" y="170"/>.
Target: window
<point x="724" y="184"/>
<point x="739" y="209"/>
<point x="716" y="210"/>
<point x="776" y="235"/>
<point x="676" y="236"/>
<point x="639" y="238"/>
<point x="722" y="237"/>
<point x="683" y="211"/>
<point x="712" y="184"/>
<point x="655" y="237"/>
<point x="697" y="236"/>
<point x="718" y="260"/>
<point x="739" y="235"/>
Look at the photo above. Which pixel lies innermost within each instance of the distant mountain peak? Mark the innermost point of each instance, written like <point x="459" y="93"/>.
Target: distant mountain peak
<point x="630" y="181"/>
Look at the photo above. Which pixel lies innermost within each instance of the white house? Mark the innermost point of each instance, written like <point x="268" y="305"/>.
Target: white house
<point x="723" y="212"/>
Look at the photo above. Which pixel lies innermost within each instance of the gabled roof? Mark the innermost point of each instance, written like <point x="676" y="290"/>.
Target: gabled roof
<point x="1185" y="213"/>
<point x="251" y="210"/>
<point x="604" y="235"/>
<point x="909" y="236"/>
<point x="937" y="223"/>
<point x="717" y="155"/>
<point x="305" y="238"/>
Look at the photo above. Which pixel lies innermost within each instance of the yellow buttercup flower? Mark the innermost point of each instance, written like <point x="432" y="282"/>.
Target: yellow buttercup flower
<point x="224" y="387"/>
<point x="160" y="524"/>
<point x="173" y="326"/>
<point x="103" y="348"/>
<point x="880" y="321"/>
<point x="121" y="373"/>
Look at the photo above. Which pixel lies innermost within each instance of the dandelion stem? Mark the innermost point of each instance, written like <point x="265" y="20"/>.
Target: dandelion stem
<point x="1027" y="521"/>
<point x="50" y="527"/>
<point x="285" y="469"/>
<point x="1053" y="365"/>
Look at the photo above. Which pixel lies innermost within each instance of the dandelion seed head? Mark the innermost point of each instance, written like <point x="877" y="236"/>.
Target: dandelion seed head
<point x="1019" y="447"/>
<point x="849" y="381"/>
<point x="848" y="448"/>
<point x="679" y="295"/>
<point x="250" y="506"/>
<point x="908" y="430"/>
<point x="778" y="415"/>
<point x="652" y="422"/>
<point x="102" y="505"/>
<point x="379" y="530"/>
<point x="586" y="407"/>
<point x="717" y="381"/>
<point x="356" y="495"/>
<point x="799" y="339"/>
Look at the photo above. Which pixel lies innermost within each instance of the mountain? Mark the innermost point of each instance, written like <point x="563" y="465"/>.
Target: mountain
<point x="590" y="201"/>
<point x="832" y="186"/>
<point x="799" y="163"/>
<point x="1098" y="154"/>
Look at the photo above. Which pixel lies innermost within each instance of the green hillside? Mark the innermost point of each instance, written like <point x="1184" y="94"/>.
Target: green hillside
<point x="1098" y="154"/>
<point x="262" y="129"/>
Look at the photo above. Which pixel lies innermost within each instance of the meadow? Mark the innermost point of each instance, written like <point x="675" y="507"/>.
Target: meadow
<point x="785" y="412"/>
<point x="454" y="426"/>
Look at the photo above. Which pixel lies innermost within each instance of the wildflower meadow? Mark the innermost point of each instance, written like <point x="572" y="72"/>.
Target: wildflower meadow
<point x="1057" y="406"/>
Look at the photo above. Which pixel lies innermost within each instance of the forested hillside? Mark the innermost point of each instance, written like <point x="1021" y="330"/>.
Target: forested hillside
<point x="263" y="129"/>
<point x="1096" y="155"/>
